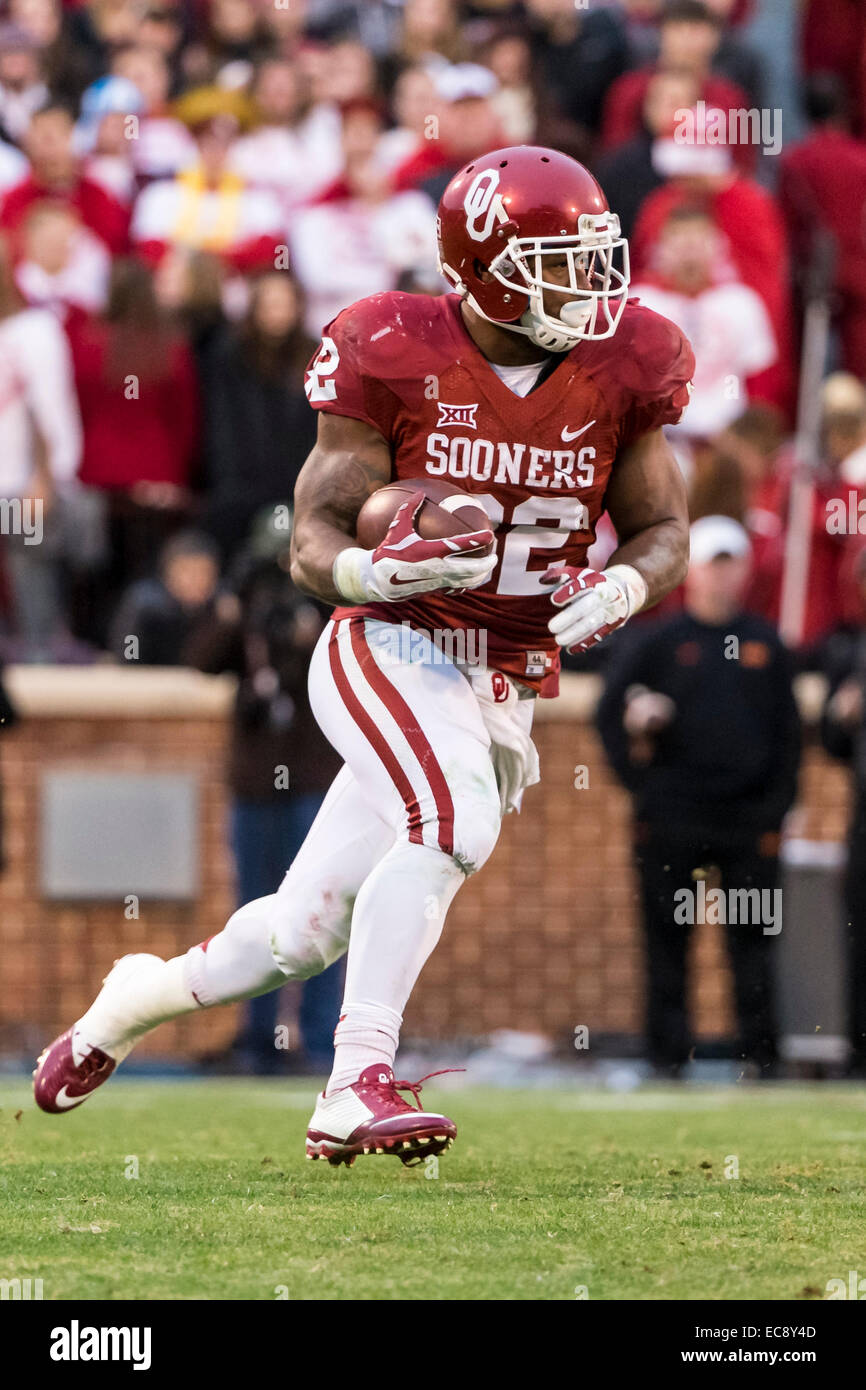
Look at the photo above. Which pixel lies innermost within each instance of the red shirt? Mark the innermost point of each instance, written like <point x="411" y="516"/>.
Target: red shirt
<point x="833" y="39"/>
<point x="152" y="438"/>
<point x="539" y="464"/>
<point x="752" y="224"/>
<point x="822" y="182"/>
<point x="623" y="108"/>
<point x="102" y="214"/>
<point x="421" y="165"/>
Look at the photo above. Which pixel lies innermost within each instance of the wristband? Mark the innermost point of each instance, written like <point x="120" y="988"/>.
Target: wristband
<point x="352" y="574"/>
<point x="634" y="584"/>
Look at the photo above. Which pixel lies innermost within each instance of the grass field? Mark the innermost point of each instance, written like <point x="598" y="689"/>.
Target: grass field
<point x="544" y="1194"/>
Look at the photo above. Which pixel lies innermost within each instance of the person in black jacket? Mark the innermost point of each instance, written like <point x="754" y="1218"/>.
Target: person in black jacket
<point x="155" y="616"/>
<point x="843" y="733"/>
<point x="699" y="722"/>
<point x="259" y="428"/>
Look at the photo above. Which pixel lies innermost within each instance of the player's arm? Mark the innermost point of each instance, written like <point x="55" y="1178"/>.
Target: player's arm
<point x="349" y="462"/>
<point x="646" y="501"/>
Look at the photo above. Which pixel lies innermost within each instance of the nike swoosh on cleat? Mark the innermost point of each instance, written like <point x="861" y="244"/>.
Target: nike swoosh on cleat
<point x="64" y="1101"/>
<point x="567" y="434"/>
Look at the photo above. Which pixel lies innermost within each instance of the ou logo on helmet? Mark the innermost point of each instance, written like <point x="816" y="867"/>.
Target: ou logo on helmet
<point x="483" y="202"/>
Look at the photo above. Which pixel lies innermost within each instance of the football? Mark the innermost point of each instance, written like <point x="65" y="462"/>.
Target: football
<point x="448" y="511"/>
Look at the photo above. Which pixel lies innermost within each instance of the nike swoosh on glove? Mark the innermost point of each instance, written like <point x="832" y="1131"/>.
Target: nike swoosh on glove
<point x="507" y="720"/>
<point x="404" y="564"/>
<point x="592" y="603"/>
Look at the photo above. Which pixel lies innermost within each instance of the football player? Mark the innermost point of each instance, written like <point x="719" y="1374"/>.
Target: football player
<point x="537" y="387"/>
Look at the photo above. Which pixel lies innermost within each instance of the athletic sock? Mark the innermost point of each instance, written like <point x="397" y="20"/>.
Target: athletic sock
<point x="139" y="995"/>
<point x="366" y="1036"/>
<point x="398" y="918"/>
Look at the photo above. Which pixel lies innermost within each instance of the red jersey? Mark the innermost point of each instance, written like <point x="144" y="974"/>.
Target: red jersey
<point x="538" y="464"/>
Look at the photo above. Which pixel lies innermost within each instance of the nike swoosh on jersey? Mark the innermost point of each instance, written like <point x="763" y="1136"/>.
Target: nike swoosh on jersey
<point x="567" y="434"/>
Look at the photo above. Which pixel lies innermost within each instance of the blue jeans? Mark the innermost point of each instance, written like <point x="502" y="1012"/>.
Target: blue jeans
<point x="266" y="836"/>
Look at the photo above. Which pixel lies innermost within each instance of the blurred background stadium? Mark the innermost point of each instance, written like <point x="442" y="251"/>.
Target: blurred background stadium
<point x="189" y="191"/>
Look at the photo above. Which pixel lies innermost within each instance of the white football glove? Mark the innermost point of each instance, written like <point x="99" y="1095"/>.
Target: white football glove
<point x="508" y="720"/>
<point x="404" y="564"/>
<point x="592" y="603"/>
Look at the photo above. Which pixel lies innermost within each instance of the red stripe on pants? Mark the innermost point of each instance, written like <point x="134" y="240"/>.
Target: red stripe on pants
<point x="374" y="737"/>
<point x="411" y="730"/>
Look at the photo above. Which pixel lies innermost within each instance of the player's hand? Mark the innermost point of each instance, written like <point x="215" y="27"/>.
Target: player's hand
<point x="591" y="604"/>
<point x="404" y="564"/>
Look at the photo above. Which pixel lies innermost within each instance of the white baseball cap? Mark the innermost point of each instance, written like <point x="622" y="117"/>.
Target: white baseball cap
<point x="713" y="536"/>
<point x="670" y="159"/>
<point x="463" y="81"/>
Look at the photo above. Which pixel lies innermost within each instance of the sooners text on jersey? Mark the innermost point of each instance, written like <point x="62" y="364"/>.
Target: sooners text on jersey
<point x="540" y="464"/>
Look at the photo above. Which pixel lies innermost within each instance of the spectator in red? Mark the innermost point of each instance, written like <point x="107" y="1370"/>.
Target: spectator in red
<point x="56" y="177"/>
<point x="833" y="39"/>
<point x="628" y="174"/>
<point x="735" y="58"/>
<point x="361" y="237"/>
<point x="843" y="433"/>
<point x="60" y="266"/>
<point x="689" y="38"/>
<point x="139" y="400"/>
<point x="208" y="207"/>
<point x="753" y="242"/>
<point x="822" y="188"/>
<point x="725" y="321"/>
<point x="467" y="124"/>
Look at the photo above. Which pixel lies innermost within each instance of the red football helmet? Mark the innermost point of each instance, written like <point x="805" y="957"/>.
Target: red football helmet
<point x="506" y="212"/>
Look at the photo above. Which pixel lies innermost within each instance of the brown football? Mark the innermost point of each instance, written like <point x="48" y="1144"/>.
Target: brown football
<point x="448" y="511"/>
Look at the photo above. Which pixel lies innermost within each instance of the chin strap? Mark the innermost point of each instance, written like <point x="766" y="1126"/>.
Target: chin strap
<point x="544" y="336"/>
<point x="529" y="326"/>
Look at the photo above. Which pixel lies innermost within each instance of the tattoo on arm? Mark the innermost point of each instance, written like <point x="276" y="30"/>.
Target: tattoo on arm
<point x="350" y="461"/>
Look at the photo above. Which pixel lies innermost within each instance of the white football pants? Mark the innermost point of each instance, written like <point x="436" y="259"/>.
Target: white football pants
<point x="415" y="810"/>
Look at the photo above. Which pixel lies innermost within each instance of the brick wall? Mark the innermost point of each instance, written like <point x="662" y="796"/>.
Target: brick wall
<point x="543" y="939"/>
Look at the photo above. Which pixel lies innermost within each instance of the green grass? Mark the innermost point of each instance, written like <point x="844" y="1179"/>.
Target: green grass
<point x="543" y="1192"/>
